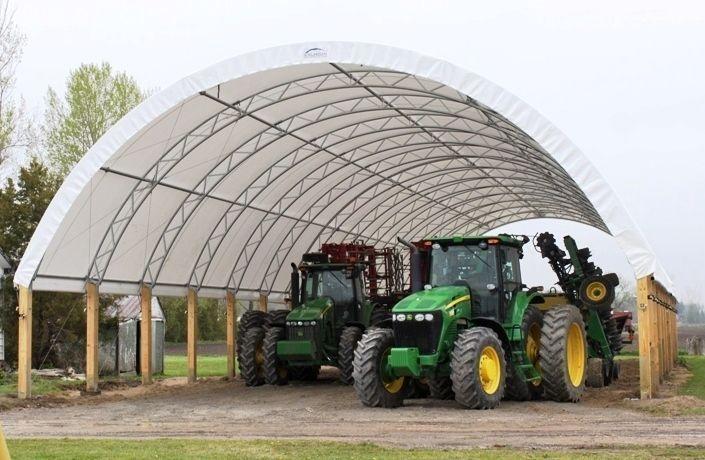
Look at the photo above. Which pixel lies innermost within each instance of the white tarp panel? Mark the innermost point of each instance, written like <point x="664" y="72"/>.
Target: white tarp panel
<point x="223" y="178"/>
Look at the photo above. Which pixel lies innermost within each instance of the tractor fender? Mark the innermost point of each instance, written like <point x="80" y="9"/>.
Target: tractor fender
<point x="496" y="327"/>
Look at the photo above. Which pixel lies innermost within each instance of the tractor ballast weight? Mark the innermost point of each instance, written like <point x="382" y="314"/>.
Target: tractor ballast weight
<point x="475" y="332"/>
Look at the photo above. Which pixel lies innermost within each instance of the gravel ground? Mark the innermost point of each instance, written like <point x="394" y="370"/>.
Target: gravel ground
<point x="324" y="409"/>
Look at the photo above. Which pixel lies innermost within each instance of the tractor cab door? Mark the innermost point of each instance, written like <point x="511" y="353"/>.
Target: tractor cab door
<point x="339" y="285"/>
<point x="510" y="277"/>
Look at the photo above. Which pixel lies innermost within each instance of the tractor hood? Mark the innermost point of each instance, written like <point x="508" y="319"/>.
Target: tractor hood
<point x="430" y="299"/>
<point x="310" y="311"/>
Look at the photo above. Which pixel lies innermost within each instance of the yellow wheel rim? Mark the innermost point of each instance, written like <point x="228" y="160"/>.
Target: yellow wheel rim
<point x="533" y="341"/>
<point x="596" y="291"/>
<point x="391" y="385"/>
<point x="490" y="369"/>
<point x="575" y="355"/>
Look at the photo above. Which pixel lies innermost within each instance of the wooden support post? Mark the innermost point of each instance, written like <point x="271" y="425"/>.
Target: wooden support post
<point x="4" y="452"/>
<point x="263" y="302"/>
<point x="644" y="318"/>
<point x="146" y="334"/>
<point x="24" y="350"/>
<point x="92" y="317"/>
<point x="192" y="333"/>
<point x="231" y="332"/>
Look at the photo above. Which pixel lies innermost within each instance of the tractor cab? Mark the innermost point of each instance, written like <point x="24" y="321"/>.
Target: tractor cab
<point x="334" y="288"/>
<point x="488" y="267"/>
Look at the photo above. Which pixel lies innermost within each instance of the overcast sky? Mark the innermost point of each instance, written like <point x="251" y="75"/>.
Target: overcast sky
<point x="624" y="80"/>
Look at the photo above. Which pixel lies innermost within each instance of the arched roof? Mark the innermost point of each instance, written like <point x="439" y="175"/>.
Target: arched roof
<point x="223" y="178"/>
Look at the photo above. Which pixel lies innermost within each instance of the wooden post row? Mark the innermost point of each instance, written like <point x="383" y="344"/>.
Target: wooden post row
<point x="92" y="317"/>
<point x="191" y="334"/>
<point x="146" y="342"/>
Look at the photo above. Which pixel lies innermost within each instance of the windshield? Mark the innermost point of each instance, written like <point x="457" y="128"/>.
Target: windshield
<point x="477" y="267"/>
<point x="329" y="283"/>
<point x="467" y="263"/>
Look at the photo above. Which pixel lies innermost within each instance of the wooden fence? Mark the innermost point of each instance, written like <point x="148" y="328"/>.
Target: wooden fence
<point x="658" y="336"/>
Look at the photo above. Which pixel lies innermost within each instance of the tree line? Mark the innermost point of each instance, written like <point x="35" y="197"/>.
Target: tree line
<point x="95" y="97"/>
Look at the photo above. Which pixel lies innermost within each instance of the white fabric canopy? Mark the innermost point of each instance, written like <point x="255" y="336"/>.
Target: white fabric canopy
<point x="221" y="180"/>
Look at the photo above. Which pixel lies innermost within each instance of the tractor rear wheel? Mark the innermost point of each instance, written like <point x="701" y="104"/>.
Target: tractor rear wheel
<point x="563" y="357"/>
<point x="252" y="357"/>
<point x="440" y="388"/>
<point x="478" y="368"/>
<point x="349" y="338"/>
<point x="248" y="320"/>
<point x="381" y="316"/>
<point x="275" y="370"/>
<point x="373" y="384"/>
<point x="517" y="388"/>
<point x="277" y="318"/>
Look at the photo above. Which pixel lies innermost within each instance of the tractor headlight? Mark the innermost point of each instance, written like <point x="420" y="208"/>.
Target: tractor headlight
<point x="418" y="317"/>
<point x="306" y="323"/>
<point x="428" y="317"/>
<point x="313" y="323"/>
<point x="300" y="323"/>
<point x="401" y="317"/>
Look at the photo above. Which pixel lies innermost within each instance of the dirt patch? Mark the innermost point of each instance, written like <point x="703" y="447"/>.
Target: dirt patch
<point x="216" y="408"/>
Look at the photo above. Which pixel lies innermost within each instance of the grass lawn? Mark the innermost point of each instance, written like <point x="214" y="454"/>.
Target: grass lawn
<point x="206" y="366"/>
<point x="40" y="385"/>
<point x="261" y="449"/>
<point x="695" y="386"/>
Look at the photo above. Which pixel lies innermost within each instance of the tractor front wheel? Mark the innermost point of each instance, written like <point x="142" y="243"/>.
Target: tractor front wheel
<point x="275" y="370"/>
<point x="373" y="383"/>
<point x="478" y="368"/>
<point x="349" y="338"/>
<point x="252" y="357"/>
<point x="563" y="357"/>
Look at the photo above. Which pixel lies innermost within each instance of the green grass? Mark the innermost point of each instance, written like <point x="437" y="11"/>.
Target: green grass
<point x="263" y="449"/>
<point x="40" y="385"/>
<point x="206" y="366"/>
<point x="695" y="386"/>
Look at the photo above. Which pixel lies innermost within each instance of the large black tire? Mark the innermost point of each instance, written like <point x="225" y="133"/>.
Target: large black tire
<point x="275" y="370"/>
<point x="440" y="388"/>
<point x="381" y="317"/>
<point x="597" y="291"/>
<point x="517" y="388"/>
<point x="349" y="338"/>
<point x="370" y="385"/>
<point x="252" y="357"/>
<point x="564" y="354"/>
<point x="277" y="318"/>
<point x="472" y="388"/>
<point x="248" y="320"/>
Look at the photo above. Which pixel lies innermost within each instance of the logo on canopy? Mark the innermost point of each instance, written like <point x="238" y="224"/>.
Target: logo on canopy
<point x="316" y="53"/>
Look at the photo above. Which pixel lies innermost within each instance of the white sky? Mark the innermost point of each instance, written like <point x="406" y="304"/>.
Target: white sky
<point x="624" y="80"/>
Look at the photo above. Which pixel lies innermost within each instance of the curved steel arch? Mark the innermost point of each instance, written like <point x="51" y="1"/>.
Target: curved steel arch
<point x="141" y="190"/>
<point x="192" y="203"/>
<point x="376" y="194"/>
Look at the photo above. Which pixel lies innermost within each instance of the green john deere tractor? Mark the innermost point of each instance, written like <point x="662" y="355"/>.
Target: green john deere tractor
<point x="472" y="331"/>
<point x="330" y="312"/>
